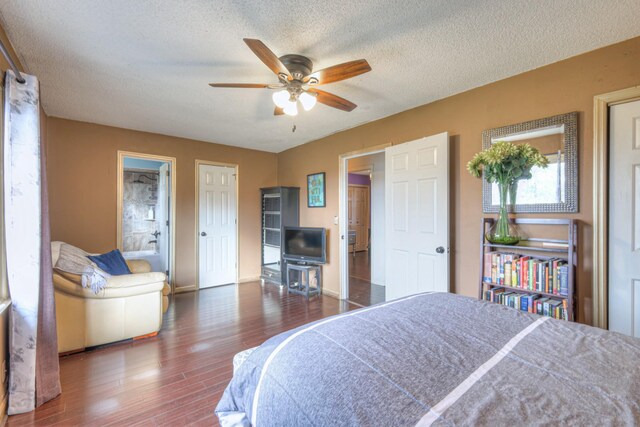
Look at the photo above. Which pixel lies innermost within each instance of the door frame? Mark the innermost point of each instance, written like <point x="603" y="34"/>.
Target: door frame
<point x="198" y="163"/>
<point x="172" y="208"/>
<point x="343" y="205"/>
<point x="600" y="287"/>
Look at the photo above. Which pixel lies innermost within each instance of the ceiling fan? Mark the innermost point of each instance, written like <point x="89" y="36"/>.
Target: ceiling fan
<point x="297" y="80"/>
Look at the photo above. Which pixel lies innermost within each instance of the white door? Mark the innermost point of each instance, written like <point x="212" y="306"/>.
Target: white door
<point x="162" y="217"/>
<point x="417" y="216"/>
<point x="624" y="218"/>
<point x="217" y="220"/>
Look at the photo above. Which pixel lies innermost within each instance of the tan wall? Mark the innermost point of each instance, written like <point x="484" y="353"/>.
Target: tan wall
<point x="4" y="65"/>
<point x="82" y="163"/>
<point x="558" y="88"/>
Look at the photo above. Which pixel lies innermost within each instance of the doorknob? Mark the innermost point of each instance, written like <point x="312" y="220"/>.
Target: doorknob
<point x="203" y="234"/>
<point x="440" y="250"/>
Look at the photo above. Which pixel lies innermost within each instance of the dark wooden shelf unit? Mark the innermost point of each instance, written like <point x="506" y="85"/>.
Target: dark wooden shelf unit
<point x="280" y="209"/>
<point x="533" y="246"/>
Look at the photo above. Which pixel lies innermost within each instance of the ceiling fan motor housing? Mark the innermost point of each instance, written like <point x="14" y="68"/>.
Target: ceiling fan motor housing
<point x="299" y="66"/>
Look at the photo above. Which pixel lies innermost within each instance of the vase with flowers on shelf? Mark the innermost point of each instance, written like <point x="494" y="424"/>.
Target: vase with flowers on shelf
<point x="505" y="164"/>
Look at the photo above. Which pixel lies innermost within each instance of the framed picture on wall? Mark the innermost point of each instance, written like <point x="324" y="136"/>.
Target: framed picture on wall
<point x="316" y="195"/>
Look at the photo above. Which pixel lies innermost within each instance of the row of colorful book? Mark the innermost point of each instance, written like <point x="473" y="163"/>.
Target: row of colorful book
<point x="532" y="303"/>
<point x="525" y="272"/>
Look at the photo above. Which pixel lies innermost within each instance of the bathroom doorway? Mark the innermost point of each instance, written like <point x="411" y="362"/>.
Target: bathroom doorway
<point x="146" y="211"/>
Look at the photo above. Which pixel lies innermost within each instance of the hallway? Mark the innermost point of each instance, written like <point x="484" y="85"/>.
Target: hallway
<point x="361" y="291"/>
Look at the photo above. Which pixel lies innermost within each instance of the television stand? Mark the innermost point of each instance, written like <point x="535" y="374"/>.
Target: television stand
<point x="304" y="279"/>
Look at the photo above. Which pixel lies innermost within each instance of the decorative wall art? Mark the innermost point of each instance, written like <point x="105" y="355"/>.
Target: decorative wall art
<point x="316" y="192"/>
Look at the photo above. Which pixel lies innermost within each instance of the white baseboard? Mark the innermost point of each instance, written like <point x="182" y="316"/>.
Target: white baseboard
<point x="191" y="288"/>
<point x="330" y="293"/>
<point x="181" y="289"/>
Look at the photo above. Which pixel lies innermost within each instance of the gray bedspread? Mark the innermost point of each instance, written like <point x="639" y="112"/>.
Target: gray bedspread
<point x="438" y="359"/>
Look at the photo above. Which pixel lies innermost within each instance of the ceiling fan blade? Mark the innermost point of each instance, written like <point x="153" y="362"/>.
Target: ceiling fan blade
<point x="278" y="111"/>
<point x="269" y="58"/>
<point x="332" y="100"/>
<point x="240" y="85"/>
<point x="339" y="72"/>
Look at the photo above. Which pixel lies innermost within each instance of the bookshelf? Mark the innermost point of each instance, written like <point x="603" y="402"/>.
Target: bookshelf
<point x="535" y="261"/>
<point x="280" y="209"/>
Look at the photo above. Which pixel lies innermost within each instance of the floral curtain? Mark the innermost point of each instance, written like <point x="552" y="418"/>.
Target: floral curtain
<point x="26" y="252"/>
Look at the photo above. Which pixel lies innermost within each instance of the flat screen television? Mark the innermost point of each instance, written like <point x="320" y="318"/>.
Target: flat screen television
<point x="305" y="244"/>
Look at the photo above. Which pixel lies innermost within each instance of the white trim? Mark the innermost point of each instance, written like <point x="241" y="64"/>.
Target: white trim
<point x="600" y="262"/>
<point x="5" y="303"/>
<point x="355" y="303"/>
<point x="451" y="398"/>
<point x="183" y="289"/>
<point x="330" y="293"/>
<point x="290" y="338"/>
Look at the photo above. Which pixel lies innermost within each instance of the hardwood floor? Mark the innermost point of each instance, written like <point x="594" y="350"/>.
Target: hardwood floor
<point x="365" y="293"/>
<point x="176" y="378"/>
<point x="361" y="290"/>
<point x="360" y="265"/>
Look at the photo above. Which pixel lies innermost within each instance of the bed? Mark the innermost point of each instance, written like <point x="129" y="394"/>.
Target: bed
<point x="437" y="359"/>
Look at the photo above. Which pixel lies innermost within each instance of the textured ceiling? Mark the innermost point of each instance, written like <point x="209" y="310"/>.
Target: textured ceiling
<point x="146" y="64"/>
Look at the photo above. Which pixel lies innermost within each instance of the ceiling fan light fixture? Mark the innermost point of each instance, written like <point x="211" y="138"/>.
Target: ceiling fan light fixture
<point x="291" y="109"/>
<point x="281" y="98"/>
<point x="295" y="78"/>
<point x="307" y="100"/>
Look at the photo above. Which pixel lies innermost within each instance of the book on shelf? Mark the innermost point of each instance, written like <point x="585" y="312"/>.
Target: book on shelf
<point x="535" y="303"/>
<point x="549" y="276"/>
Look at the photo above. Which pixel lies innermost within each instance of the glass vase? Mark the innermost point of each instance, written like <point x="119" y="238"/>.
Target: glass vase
<point x="503" y="231"/>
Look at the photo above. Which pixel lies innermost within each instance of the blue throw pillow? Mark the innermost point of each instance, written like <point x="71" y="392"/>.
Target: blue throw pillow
<point x="112" y="262"/>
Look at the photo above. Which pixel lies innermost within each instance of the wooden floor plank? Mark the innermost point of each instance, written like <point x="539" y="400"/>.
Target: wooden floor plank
<point x="361" y="290"/>
<point x="177" y="377"/>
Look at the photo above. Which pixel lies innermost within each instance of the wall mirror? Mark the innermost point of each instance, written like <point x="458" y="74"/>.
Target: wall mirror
<point x="551" y="189"/>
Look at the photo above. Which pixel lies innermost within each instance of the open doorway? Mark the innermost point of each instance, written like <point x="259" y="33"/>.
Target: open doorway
<point x="366" y="228"/>
<point x="145" y="199"/>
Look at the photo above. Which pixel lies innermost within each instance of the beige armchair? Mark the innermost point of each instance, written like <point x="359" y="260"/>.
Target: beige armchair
<point x="130" y="306"/>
